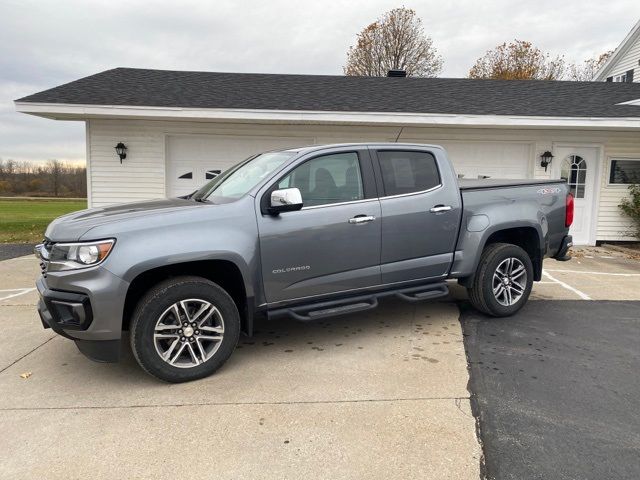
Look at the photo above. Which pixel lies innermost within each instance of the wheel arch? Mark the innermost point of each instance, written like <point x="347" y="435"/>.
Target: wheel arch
<point x="225" y="273"/>
<point x="527" y="236"/>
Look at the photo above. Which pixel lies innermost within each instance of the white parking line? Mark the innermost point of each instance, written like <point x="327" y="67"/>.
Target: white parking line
<point x="21" y="291"/>
<point x="582" y="295"/>
<point x="598" y="273"/>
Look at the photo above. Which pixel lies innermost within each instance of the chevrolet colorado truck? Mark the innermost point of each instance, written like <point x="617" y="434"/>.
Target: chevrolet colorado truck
<point x="306" y="233"/>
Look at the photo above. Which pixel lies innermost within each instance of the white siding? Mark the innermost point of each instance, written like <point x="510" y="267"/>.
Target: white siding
<point x="611" y="224"/>
<point x="142" y="174"/>
<point x="628" y="60"/>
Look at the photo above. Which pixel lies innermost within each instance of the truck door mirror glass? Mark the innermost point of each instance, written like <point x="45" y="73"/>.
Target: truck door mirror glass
<point x="285" y="200"/>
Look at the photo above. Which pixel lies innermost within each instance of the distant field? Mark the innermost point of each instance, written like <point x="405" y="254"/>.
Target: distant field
<point x="25" y="220"/>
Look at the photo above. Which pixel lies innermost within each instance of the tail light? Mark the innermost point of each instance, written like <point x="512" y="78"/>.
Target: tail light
<point x="568" y="215"/>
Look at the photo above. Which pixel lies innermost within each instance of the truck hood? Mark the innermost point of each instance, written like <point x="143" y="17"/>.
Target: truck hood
<point x="72" y="227"/>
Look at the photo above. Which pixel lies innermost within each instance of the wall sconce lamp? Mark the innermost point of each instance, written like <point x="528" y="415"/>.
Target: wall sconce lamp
<point x="545" y="159"/>
<point x="121" y="150"/>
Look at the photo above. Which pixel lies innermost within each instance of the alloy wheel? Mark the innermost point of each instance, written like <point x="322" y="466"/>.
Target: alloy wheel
<point x="188" y="333"/>
<point x="509" y="281"/>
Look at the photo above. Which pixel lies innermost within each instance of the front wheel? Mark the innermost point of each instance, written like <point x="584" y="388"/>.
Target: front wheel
<point x="184" y="328"/>
<point x="503" y="281"/>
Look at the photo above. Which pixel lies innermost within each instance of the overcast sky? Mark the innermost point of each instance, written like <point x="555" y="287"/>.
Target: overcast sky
<point x="46" y="43"/>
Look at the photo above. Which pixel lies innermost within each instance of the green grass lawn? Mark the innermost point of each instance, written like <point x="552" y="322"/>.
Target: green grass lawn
<point x="25" y="220"/>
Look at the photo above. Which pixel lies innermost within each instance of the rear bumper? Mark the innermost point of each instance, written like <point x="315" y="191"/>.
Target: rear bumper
<point x="563" y="252"/>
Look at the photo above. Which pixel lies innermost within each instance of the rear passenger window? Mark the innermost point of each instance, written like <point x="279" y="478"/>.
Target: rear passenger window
<point x="408" y="172"/>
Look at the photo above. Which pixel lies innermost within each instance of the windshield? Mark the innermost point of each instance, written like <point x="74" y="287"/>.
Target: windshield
<point x="238" y="180"/>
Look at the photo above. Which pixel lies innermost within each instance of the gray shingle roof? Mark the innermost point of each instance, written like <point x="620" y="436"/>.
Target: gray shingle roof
<point x="164" y="88"/>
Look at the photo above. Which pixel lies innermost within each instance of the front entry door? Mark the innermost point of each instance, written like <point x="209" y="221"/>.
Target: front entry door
<point x="333" y="243"/>
<point x="578" y="166"/>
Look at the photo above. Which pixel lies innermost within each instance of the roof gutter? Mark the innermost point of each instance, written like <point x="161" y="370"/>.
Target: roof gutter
<point x="59" y="111"/>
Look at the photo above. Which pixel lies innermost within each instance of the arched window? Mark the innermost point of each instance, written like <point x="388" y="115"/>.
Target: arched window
<point x="574" y="171"/>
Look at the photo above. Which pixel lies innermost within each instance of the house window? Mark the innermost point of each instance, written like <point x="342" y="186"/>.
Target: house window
<point x="624" y="77"/>
<point x="624" y="171"/>
<point x="574" y="171"/>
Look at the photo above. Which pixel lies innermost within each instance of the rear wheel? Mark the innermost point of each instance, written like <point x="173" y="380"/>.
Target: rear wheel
<point x="503" y="280"/>
<point x="184" y="328"/>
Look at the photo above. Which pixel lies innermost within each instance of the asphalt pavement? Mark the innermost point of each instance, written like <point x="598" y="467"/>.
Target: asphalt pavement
<point x="556" y="390"/>
<point x="13" y="250"/>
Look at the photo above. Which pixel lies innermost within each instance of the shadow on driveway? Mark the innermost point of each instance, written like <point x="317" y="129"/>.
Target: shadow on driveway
<point x="556" y="389"/>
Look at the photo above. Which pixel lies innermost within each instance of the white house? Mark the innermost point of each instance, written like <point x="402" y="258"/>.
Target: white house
<point x="624" y="61"/>
<point x="181" y="128"/>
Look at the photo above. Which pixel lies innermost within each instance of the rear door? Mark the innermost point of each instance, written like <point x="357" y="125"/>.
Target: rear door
<point x="333" y="243"/>
<point x="421" y="210"/>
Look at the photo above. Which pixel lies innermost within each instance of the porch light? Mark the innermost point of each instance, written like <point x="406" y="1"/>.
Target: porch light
<point x="545" y="159"/>
<point x="121" y="150"/>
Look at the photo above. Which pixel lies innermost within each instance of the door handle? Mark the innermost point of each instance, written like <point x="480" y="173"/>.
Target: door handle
<point x="440" y="208"/>
<point x="362" y="219"/>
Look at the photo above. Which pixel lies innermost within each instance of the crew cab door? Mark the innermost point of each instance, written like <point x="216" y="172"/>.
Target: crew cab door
<point x="421" y="211"/>
<point x="333" y="243"/>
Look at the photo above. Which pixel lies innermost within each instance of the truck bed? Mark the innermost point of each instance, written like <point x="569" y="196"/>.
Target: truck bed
<point x="484" y="183"/>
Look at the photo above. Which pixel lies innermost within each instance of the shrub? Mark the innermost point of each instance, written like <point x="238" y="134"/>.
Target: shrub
<point x="630" y="207"/>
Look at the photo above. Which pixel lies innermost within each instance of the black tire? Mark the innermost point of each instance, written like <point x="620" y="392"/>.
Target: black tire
<point x="153" y="305"/>
<point x="481" y="293"/>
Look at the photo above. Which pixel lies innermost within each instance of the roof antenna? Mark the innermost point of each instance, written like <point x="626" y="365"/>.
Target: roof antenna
<point x="399" y="133"/>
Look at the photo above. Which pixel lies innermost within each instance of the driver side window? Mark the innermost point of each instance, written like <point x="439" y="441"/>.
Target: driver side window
<point x="327" y="179"/>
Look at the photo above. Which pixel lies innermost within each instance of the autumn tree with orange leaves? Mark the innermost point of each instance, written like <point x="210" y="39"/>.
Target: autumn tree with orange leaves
<point x="518" y="60"/>
<point x="396" y="41"/>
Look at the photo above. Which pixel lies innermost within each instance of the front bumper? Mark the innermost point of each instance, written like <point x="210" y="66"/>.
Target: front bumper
<point x="64" y="310"/>
<point x="85" y="306"/>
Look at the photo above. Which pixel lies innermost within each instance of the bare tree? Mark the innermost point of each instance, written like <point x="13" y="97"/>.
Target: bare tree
<point x="585" y="71"/>
<point x="518" y="60"/>
<point x="396" y="41"/>
<point x="55" y="170"/>
<point x="53" y="179"/>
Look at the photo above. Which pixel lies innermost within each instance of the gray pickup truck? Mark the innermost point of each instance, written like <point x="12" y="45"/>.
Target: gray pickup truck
<point x="306" y="233"/>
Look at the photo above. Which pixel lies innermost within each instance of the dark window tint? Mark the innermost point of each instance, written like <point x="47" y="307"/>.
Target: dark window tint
<point x="328" y="179"/>
<point x="408" y="172"/>
<point x="625" y="171"/>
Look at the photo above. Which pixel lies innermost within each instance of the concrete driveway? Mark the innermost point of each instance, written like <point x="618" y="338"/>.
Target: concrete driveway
<point x="381" y="394"/>
<point x="376" y="395"/>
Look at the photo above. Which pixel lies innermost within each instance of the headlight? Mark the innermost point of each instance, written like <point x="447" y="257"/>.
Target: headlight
<point x="70" y="256"/>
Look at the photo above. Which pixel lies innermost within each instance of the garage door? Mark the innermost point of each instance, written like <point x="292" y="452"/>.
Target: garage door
<point x="193" y="160"/>
<point x="492" y="159"/>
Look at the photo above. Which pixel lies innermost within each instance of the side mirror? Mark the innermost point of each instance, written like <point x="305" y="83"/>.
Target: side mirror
<point x="285" y="200"/>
